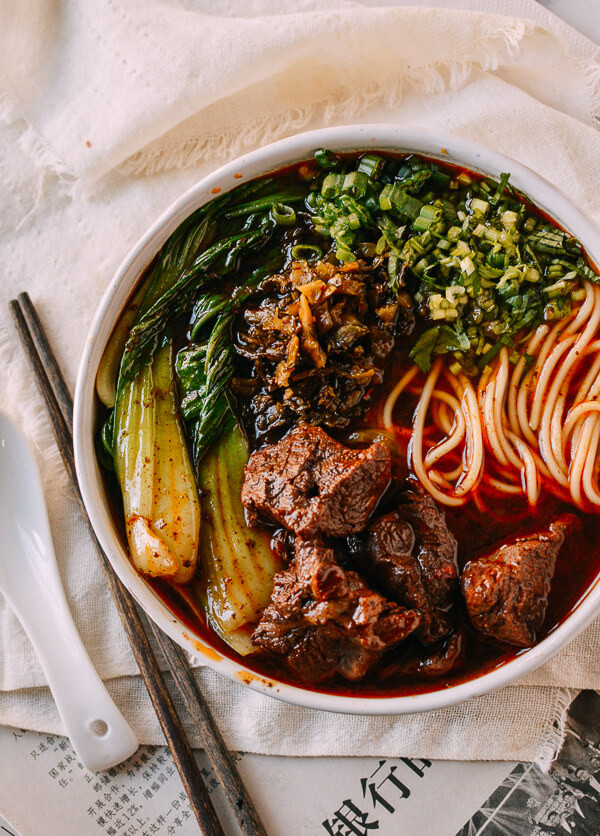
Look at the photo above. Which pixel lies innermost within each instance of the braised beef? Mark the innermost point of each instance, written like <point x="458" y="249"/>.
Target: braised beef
<point x="445" y="658"/>
<point x="435" y="661"/>
<point x="506" y="590"/>
<point x="436" y="545"/>
<point x="324" y="619"/>
<point x="313" y="485"/>
<point x="282" y="544"/>
<point x="411" y="553"/>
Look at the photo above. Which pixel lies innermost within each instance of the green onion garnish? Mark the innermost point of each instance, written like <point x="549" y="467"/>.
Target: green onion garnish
<point x="500" y="189"/>
<point x="283" y="214"/>
<point x="326" y="159"/>
<point x="370" y="165"/>
<point x="306" y="252"/>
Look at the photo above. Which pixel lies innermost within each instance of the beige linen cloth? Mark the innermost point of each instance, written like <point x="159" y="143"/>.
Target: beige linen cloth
<point x="109" y="111"/>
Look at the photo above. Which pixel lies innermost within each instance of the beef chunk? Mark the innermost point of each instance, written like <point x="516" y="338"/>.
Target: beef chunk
<point x="506" y="591"/>
<point x="324" y="620"/>
<point x="436" y="545"/>
<point x="444" y="659"/>
<point x="436" y="661"/>
<point x="282" y="544"/>
<point x="412" y="554"/>
<point x="315" y="486"/>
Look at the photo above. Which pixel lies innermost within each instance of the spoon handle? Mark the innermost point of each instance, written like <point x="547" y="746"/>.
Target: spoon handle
<point x="30" y="582"/>
<point x="98" y="731"/>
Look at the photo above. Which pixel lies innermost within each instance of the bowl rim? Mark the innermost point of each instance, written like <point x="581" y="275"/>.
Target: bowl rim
<point x="377" y="136"/>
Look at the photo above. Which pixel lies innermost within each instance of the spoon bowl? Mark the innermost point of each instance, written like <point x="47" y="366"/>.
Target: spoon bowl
<point x="31" y="584"/>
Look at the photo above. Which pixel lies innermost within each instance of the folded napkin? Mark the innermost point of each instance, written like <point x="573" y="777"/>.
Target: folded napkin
<point x="110" y="110"/>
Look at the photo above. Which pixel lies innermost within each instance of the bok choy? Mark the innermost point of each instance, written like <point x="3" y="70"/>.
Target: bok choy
<point x="237" y="561"/>
<point x="160" y="498"/>
<point x="144" y="433"/>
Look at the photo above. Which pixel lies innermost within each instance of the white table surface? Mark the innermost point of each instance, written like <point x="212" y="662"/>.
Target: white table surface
<point x="583" y="15"/>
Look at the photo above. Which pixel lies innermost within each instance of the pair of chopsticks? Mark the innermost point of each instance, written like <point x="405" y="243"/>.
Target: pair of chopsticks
<point x="60" y="407"/>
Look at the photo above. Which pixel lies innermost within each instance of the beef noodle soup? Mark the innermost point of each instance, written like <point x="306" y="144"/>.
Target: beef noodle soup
<point x="352" y="423"/>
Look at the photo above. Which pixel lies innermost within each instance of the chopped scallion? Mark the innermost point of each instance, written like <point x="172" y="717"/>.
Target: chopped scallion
<point x="283" y="214"/>
<point x="306" y="252"/>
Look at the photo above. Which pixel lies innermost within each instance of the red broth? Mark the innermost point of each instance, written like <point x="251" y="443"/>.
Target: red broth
<point x="578" y="566"/>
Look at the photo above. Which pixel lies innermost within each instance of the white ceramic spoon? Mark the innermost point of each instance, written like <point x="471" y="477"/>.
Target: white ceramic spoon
<point x="30" y="582"/>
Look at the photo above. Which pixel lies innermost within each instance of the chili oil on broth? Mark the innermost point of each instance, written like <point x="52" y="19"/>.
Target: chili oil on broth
<point x="577" y="565"/>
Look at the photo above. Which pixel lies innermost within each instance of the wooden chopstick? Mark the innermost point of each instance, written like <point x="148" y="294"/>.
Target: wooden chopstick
<point x="47" y="359"/>
<point x="60" y="407"/>
<point x="181" y="751"/>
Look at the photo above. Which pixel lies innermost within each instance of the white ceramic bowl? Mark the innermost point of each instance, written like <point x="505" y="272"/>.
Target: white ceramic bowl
<point x="270" y="158"/>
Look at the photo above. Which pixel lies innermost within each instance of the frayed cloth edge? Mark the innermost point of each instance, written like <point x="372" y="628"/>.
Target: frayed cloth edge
<point x="342" y="104"/>
<point x="555" y="737"/>
<point x="590" y="71"/>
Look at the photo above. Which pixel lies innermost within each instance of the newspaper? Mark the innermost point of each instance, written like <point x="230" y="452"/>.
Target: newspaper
<point x="45" y="789"/>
